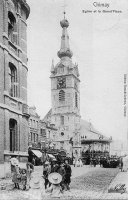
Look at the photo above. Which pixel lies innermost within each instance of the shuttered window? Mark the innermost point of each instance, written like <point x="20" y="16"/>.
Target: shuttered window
<point x="61" y="95"/>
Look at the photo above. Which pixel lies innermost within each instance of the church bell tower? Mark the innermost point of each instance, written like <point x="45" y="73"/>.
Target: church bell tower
<point x="65" y="96"/>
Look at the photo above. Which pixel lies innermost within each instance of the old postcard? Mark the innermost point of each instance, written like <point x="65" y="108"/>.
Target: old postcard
<point x="63" y="99"/>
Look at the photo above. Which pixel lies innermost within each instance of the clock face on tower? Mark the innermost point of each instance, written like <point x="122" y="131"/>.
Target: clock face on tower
<point x="61" y="82"/>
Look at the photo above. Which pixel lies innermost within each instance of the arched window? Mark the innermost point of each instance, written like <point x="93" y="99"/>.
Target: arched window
<point x="76" y="100"/>
<point x="61" y="95"/>
<point x="13" y="80"/>
<point x="13" y="135"/>
<point x="12" y="33"/>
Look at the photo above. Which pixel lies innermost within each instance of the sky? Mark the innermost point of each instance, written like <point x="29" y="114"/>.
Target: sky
<point x="99" y="42"/>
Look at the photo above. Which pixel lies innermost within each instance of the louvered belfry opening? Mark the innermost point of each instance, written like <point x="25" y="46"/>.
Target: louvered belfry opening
<point x="61" y="95"/>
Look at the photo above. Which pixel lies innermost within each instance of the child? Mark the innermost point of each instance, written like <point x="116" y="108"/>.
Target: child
<point x="55" y="188"/>
<point x="30" y="169"/>
<point x="15" y="171"/>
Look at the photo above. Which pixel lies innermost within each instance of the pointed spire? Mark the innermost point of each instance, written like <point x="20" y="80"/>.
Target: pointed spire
<point x="52" y="66"/>
<point x="65" y="48"/>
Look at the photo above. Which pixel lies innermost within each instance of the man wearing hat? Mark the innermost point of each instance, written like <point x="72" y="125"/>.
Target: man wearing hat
<point x="68" y="172"/>
<point x="55" y="166"/>
<point x="61" y="171"/>
<point x="55" y="180"/>
<point x="46" y="172"/>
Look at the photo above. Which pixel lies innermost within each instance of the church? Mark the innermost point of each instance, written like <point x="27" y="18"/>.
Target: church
<point x="72" y="134"/>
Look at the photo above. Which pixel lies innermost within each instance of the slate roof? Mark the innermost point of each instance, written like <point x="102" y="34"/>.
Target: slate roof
<point x="88" y="132"/>
<point x="47" y="116"/>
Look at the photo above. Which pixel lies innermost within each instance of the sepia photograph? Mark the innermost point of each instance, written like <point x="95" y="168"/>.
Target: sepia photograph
<point x="63" y="99"/>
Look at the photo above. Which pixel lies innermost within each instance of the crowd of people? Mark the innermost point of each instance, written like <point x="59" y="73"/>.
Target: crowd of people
<point x="56" y="172"/>
<point x="51" y="169"/>
<point x="106" y="162"/>
<point x="21" y="176"/>
<point x="60" y="167"/>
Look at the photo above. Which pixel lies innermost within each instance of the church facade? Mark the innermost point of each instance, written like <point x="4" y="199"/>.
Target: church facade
<point x="13" y="82"/>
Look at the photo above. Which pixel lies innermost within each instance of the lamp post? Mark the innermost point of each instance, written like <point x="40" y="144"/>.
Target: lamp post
<point x="71" y="142"/>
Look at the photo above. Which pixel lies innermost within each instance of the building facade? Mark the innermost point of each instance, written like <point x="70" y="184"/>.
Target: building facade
<point x="34" y="129"/>
<point x="65" y="96"/>
<point x="48" y="133"/>
<point x="41" y="133"/>
<point x="13" y="81"/>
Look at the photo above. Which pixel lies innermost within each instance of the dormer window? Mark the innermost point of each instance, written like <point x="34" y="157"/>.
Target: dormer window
<point x="61" y="70"/>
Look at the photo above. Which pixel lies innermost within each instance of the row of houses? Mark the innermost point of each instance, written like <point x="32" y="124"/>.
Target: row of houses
<point x="41" y="133"/>
<point x="44" y="135"/>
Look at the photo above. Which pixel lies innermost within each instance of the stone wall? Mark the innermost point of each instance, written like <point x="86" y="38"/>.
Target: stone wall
<point x="13" y="50"/>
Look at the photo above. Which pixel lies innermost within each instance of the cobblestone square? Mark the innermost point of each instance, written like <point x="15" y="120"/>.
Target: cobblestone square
<point x="87" y="183"/>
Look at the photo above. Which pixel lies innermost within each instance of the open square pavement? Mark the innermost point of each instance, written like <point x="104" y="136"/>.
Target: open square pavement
<point x="87" y="183"/>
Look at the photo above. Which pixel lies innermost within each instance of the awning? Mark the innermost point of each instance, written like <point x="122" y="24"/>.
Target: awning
<point x="37" y="153"/>
<point x="51" y="156"/>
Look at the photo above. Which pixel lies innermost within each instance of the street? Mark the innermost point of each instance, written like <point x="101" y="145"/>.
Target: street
<point x="87" y="182"/>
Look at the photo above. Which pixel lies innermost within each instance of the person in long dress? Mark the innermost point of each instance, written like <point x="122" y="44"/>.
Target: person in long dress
<point x="125" y="163"/>
<point x="15" y="171"/>
<point x="81" y="164"/>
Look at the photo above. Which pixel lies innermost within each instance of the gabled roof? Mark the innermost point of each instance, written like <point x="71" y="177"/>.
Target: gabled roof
<point x="47" y="116"/>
